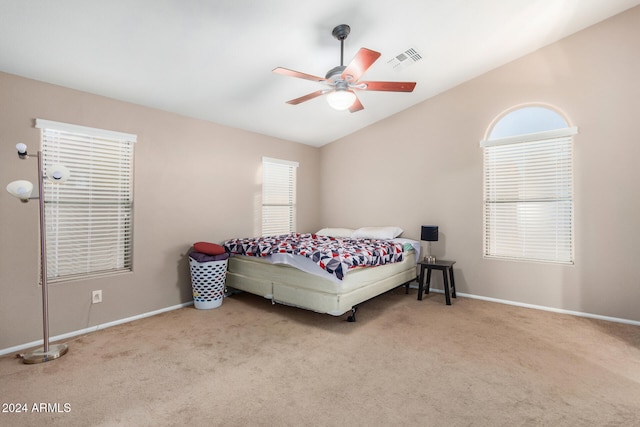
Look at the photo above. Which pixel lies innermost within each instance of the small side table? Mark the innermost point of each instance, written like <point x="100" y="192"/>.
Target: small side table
<point x="444" y="266"/>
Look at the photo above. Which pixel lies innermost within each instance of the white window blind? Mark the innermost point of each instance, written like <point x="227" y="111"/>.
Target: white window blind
<point x="278" y="196"/>
<point x="528" y="198"/>
<point x="89" y="218"/>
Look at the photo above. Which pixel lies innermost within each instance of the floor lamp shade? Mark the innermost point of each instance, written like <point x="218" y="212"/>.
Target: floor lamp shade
<point x="58" y="173"/>
<point x="21" y="189"/>
<point x="429" y="233"/>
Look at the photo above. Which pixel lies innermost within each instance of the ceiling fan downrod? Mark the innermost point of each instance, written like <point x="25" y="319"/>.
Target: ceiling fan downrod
<point x="341" y="32"/>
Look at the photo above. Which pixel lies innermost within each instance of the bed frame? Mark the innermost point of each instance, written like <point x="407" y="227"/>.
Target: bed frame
<point x="284" y="284"/>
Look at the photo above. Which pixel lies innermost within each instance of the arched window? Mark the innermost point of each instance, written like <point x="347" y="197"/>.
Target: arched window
<point x="528" y="186"/>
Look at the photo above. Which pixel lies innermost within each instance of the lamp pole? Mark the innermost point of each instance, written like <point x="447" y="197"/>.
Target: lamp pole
<point x="47" y="352"/>
<point x="43" y="257"/>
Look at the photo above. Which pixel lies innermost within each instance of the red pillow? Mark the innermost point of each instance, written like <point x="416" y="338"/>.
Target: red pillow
<point x="208" y="248"/>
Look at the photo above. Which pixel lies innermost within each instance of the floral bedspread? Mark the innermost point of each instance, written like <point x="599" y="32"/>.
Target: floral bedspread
<point x="335" y="255"/>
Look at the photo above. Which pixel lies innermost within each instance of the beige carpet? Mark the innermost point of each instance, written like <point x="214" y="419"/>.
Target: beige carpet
<point x="403" y="363"/>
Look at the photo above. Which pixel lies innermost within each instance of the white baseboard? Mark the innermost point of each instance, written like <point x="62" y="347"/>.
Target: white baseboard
<point x="542" y="307"/>
<point x="91" y="329"/>
<point x="175" y="307"/>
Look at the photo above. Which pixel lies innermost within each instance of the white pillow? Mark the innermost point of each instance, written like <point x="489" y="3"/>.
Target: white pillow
<point x="336" y="232"/>
<point x="385" y="233"/>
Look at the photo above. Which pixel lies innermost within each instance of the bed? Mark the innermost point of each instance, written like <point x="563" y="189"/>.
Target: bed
<point x="316" y="272"/>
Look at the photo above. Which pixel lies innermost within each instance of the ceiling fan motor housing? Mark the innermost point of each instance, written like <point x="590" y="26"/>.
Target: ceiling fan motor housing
<point x="335" y="73"/>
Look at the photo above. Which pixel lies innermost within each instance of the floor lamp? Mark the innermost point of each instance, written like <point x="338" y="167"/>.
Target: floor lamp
<point x="22" y="190"/>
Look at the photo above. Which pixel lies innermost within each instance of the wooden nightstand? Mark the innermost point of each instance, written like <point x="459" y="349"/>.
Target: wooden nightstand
<point x="444" y="266"/>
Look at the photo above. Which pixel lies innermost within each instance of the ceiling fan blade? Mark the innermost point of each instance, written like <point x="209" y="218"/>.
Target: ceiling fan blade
<point x="388" y="86"/>
<point x="307" y="97"/>
<point x="360" y="64"/>
<point x="298" y="74"/>
<point x="356" y="106"/>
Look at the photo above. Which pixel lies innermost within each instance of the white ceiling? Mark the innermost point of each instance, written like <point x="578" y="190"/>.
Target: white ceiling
<point x="212" y="59"/>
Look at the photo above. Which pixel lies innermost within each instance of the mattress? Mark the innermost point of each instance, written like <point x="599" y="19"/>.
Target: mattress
<point x="283" y="283"/>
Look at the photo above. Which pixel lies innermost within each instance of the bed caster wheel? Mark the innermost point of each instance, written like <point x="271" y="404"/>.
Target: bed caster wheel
<point x="352" y="318"/>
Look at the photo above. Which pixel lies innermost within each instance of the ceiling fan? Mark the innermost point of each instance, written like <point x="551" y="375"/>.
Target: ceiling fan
<point x="343" y="81"/>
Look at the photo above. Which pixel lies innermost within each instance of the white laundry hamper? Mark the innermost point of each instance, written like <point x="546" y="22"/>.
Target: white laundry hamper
<point x="208" y="282"/>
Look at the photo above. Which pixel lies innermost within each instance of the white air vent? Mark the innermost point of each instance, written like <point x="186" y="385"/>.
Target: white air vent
<point x="405" y="59"/>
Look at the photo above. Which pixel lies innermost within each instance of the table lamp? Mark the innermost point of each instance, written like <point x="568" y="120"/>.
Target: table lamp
<point x="429" y="233"/>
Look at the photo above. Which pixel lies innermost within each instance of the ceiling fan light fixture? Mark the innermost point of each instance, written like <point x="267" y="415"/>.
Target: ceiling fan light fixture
<point x="341" y="99"/>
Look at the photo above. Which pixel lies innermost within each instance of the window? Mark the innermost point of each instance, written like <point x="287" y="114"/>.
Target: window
<point x="89" y="218"/>
<point x="528" y="187"/>
<point x="278" y="196"/>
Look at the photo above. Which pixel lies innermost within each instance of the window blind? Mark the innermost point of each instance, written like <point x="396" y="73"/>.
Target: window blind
<point x="278" y="196"/>
<point x="528" y="200"/>
<point x="89" y="218"/>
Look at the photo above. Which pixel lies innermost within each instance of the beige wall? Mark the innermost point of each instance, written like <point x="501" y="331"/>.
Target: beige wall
<point x="194" y="180"/>
<point x="433" y="172"/>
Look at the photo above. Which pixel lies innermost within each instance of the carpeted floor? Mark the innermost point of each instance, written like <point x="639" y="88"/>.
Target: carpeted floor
<point x="403" y="363"/>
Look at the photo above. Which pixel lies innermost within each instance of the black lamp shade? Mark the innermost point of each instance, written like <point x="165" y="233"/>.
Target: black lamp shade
<point x="429" y="233"/>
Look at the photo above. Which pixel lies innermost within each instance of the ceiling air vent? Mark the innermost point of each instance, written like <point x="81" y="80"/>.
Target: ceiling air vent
<point x="405" y="59"/>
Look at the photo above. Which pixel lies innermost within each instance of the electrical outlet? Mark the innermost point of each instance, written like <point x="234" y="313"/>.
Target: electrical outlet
<point x="96" y="297"/>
